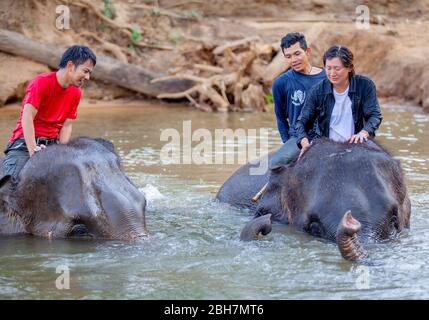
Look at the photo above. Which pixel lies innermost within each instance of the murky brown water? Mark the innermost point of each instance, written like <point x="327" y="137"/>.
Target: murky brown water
<point x="194" y="252"/>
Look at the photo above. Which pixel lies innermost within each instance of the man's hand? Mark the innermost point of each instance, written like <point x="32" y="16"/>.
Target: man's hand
<point x="305" y="144"/>
<point x="361" y="137"/>
<point x="37" y="149"/>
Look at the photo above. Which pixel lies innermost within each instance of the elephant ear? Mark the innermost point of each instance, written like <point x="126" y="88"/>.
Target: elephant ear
<point x="5" y="186"/>
<point x="4" y="180"/>
<point x="8" y="193"/>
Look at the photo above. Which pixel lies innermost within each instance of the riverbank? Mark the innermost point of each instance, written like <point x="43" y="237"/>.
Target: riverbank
<point x="392" y="103"/>
<point x="176" y="36"/>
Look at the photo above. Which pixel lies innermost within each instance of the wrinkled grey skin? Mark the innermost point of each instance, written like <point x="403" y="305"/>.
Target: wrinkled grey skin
<point x="241" y="187"/>
<point x="349" y="194"/>
<point x="260" y="225"/>
<point x="74" y="190"/>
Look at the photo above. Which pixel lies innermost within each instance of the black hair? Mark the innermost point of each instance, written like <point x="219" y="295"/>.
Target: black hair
<point x="344" y="54"/>
<point x="78" y="55"/>
<point x="291" y="38"/>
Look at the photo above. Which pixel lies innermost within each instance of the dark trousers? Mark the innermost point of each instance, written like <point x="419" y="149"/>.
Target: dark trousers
<point x="17" y="155"/>
<point x="287" y="154"/>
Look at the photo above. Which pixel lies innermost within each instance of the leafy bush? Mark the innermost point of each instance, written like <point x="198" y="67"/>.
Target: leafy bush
<point x="108" y="9"/>
<point x="269" y="99"/>
<point x="136" y="34"/>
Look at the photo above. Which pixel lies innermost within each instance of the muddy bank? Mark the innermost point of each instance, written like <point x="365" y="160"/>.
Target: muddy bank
<point x="177" y="35"/>
<point x="393" y="55"/>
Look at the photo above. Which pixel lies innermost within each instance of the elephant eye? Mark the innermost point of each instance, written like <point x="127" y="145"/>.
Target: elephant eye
<point x="393" y="219"/>
<point x="277" y="170"/>
<point x="394" y="223"/>
<point x="314" y="228"/>
<point x="79" y="230"/>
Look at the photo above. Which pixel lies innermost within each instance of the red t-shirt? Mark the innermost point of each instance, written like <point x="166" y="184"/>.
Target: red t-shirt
<point x="54" y="105"/>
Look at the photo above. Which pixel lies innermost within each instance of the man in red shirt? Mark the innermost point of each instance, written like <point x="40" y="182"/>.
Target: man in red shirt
<point x="49" y="108"/>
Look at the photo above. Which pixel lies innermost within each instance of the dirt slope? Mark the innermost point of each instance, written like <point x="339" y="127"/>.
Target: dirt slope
<point x="173" y="35"/>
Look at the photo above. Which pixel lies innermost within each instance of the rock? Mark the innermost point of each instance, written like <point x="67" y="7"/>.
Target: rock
<point x="16" y="72"/>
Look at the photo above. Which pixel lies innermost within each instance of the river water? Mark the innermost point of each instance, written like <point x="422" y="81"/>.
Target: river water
<point x="193" y="251"/>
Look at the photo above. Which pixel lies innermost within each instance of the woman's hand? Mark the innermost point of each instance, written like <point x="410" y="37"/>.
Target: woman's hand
<point x="361" y="137"/>
<point x="304" y="146"/>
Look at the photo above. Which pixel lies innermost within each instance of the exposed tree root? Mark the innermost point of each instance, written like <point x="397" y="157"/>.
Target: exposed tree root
<point x="234" y="83"/>
<point x="125" y="28"/>
<point x="108" y="46"/>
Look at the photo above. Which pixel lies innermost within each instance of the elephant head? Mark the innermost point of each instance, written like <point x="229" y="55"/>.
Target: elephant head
<point x="74" y="190"/>
<point x="349" y="194"/>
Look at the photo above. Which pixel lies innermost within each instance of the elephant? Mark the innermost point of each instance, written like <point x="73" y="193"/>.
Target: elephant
<point x="239" y="189"/>
<point x="73" y="190"/>
<point x="351" y="194"/>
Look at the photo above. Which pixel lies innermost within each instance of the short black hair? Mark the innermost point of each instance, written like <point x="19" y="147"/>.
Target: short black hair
<point x="291" y="38"/>
<point x="78" y="55"/>
<point x="344" y="54"/>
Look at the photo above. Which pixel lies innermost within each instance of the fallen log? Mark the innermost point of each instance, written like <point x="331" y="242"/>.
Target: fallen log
<point x="234" y="83"/>
<point x="234" y="44"/>
<point x="108" y="69"/>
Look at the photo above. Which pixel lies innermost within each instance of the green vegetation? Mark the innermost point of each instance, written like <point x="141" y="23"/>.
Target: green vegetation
<point x="269" y="99"/>
<point x="108" y="9"/>
<point x="131" y="47"/>
<point x="31" y="25"/>
<point x="175" y="36"/>
<point x="191" y="14"/>
<point x="136" y="34"/>
<point x="156" y="11"/>
<point x="103" y="27"/>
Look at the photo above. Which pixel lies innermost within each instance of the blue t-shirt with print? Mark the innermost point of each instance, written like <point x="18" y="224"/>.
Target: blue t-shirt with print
<point x="290" y="91"/>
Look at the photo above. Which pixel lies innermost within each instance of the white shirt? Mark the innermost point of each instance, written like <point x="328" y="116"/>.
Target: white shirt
<point x="341" y="125"/>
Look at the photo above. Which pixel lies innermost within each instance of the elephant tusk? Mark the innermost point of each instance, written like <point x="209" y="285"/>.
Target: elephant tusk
<point x="260" y="193"/>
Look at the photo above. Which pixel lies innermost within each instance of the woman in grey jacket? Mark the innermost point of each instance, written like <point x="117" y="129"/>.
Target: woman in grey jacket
<point x="345" y="105"/>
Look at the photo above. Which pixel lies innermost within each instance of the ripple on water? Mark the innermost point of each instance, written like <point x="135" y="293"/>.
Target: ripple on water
<point x="193" y="251"/>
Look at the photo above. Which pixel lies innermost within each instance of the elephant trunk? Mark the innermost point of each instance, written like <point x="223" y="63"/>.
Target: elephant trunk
<point x="259" y="225"/>
<point x="347" y="239"/>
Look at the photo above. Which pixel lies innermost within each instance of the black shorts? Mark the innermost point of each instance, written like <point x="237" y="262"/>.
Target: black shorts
<point x="17" y="155"/>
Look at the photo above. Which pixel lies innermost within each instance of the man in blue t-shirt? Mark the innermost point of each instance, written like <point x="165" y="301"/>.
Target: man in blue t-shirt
<point x="289" y="91"/>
